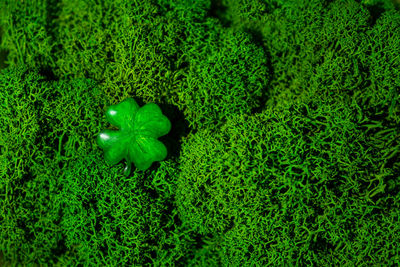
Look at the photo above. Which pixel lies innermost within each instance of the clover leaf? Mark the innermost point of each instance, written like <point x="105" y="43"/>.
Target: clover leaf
<point x="136" y="140"/>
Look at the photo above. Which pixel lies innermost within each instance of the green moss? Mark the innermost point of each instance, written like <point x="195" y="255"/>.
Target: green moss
<point x="62" y="204"/>
<point x="221" y="79"/>
<point x="289" y="156"/>
<point x="25" y="33"/>
<point x="42" y="128"/>
<point x="110" y="219"/>
<point x="288" y="187"/>
<point x="29" y="229"/>
<point x="381" y="96"/>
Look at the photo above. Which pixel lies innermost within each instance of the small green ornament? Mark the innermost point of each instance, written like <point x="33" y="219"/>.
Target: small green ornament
<point x="136" y="140"/>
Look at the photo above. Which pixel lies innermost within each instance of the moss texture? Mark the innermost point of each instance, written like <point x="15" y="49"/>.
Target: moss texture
<point x="284" y="143"/>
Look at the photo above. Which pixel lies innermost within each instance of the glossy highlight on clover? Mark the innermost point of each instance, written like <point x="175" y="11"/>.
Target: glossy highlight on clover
<point x="136" y="140"/>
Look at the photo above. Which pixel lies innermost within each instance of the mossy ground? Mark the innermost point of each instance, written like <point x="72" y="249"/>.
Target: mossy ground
<point x="284" y="144"/>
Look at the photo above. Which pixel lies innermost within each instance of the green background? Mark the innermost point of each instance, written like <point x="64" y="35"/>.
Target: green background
<point x="284" y="147"/>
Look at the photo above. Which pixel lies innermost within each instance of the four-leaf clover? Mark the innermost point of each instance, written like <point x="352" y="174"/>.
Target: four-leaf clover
<point x="136" y="140"/>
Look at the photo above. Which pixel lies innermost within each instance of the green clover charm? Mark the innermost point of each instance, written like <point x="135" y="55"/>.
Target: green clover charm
<point x="136" y="140"/>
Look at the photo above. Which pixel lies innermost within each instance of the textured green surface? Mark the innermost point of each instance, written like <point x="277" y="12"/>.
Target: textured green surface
<point x="283" y="148"/>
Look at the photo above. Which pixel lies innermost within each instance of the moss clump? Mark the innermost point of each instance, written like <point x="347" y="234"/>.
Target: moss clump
<point x="41" y="128"/>
<point x="222" y="80"/>
<point x="291" y="187"/>
<point x="109" y="219"/>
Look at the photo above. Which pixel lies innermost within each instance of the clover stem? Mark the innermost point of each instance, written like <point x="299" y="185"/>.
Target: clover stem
<point x="128" y="168"/>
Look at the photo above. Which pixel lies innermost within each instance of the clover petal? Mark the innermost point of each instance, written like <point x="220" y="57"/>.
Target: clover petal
<point x="136" y="141"/>
<point x="114" y="144"/>
<point x="122" y="114"/>
<point x="150" y="121"/>
<point x="145" y="151"/>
